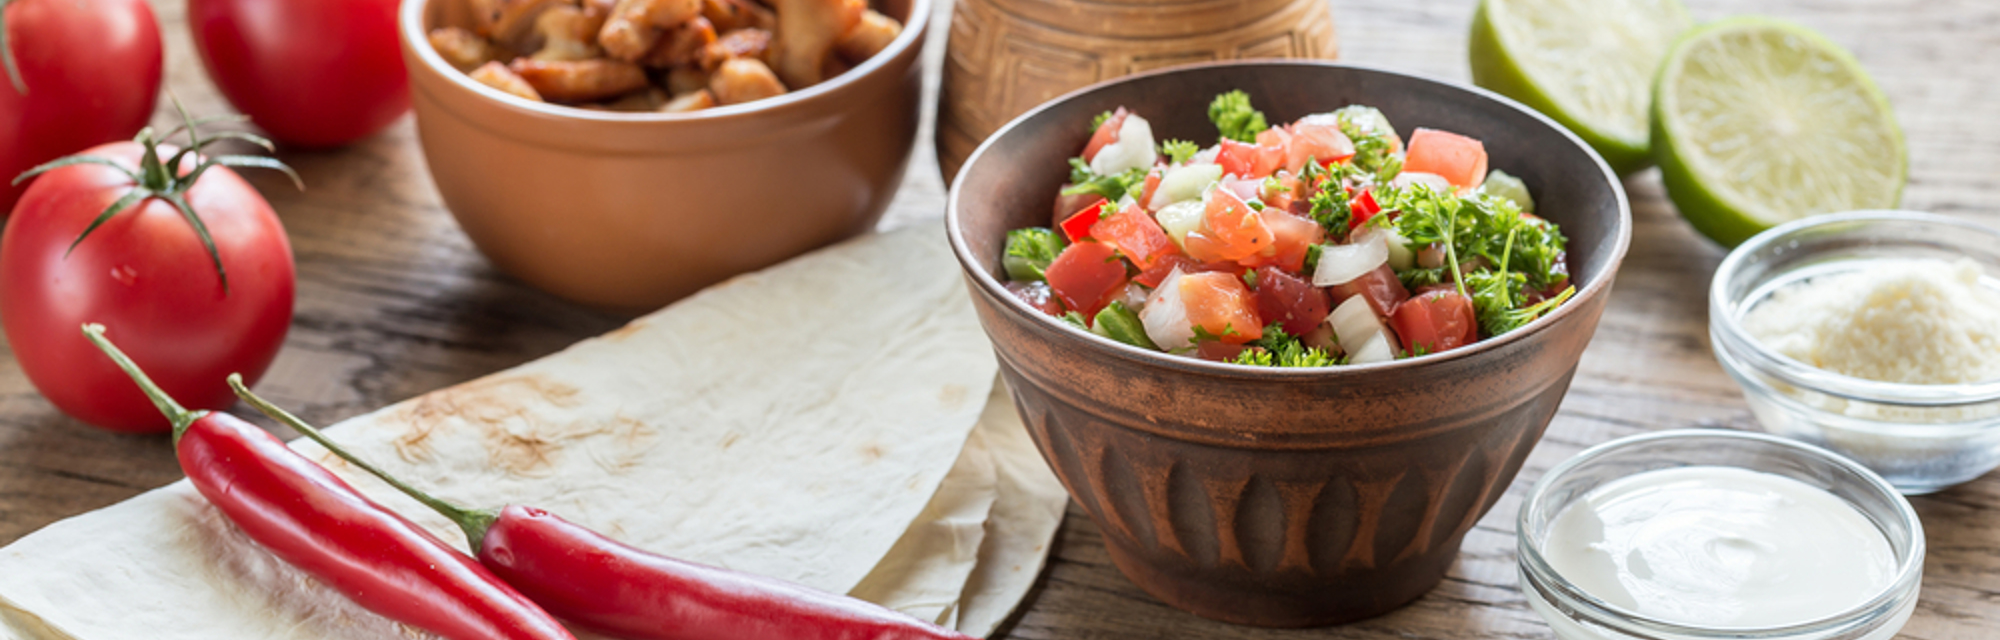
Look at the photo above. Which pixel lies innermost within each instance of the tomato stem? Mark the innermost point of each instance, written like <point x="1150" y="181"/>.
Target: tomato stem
<point x="475" y="522"/>
<point x="7" y="52"/>
<point x="179" y="416"/>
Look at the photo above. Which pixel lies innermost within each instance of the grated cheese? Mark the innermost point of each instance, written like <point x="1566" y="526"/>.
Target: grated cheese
<point x="1910" y="322"/>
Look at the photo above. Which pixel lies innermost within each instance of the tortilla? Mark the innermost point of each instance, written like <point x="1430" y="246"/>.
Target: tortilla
<point x="1026" y="514"/>
<point x="924" y="573"/>
<point x="791" y="423"/>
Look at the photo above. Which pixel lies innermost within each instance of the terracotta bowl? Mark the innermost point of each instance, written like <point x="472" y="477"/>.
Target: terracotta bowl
<point x="634" y="210"/>
<point x="1285" y="497"/>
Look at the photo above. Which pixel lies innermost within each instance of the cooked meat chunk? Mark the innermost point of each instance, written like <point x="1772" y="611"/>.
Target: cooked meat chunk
<point x="741" y="43"/>
<point x="741" y="80"/>
<point x="463" y="49"/>
<point x="635" y="26"/>
<point x="511" y="23"/>
<point x="730" y="15"/>
<point x="580" y="80"/>
<point x="686" y="79"/>
<point x="807" y="31"/>
<point x="682" y="45"/>
<point x="869" y="37"/>
<point x="693" y="101"/>
<point x="498" y="76"/>
<point x="568" y="33"/>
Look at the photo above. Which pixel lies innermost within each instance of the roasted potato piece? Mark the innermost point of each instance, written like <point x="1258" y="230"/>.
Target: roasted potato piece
<point x="694" y="101"/>
<point x="498" y="76"/>
<point x="741" y="80"/>
<point x="807" y="31"/>
<point x="868" y="37"/>
<point x="568" y="33"/>
<point x="635" y="26"/>
<point x="686" y="79"/>
<point x="730" y="15"/>
<point x="463" y="49"/>
<point x="682" y="45"/>
<point x="580" y="80"/>
<point x="510" y="23"/>
<point x="741" y="43"/>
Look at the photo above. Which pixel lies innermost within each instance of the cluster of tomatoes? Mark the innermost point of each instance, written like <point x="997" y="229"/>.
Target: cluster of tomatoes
<point x="194" y="292"/>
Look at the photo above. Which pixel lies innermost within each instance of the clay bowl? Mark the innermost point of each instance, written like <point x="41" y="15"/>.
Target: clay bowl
<point x="631" y="211"/>
<point x="1285" y="497"/>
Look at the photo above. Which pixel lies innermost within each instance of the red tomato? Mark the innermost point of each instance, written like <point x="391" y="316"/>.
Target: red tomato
<point x="1218" y="351"/>
<point x="92" y="70"/>
<point x="1320" y="143"/>
<point x="1221" y="305"/>
<point x="1435" y="322"/>
<point x="1067" y="206"/>
<point x="147" y="278"/>
<point x="1291" y="236"/>
<point x="1380" y="287"/>
<point x="1087" y="276"/>
<point x="1134" y="233"/>
<point x="1230" y="230"/>
<point x="1164" y="267"/>
<point x="1153" y="179"/>
<point x="1461" y="160"/>
<point x="1245" y="160"/>
<point x="1291" y="300"/>
<point x="1105" y="134"/>
<point x="1077" y="227"/>
<point x="1038" y="295"/>
<point x="316" y="73"/>
<point x="1282" y="192"/>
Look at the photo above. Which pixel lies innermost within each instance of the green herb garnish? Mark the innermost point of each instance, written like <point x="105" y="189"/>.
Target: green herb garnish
<point x="1178" y="151"/>
<point x="1111" y="187"/>
<point x="1029" y="252"/>
<point x="1235" y="118"/>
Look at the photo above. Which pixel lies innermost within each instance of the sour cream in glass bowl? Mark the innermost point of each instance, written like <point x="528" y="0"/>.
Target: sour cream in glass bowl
<point x="1710" y="534"/>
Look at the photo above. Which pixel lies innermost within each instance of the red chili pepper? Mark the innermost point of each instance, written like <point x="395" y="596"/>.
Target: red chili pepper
<point x="310" y="518"/>
<point x="601" y="584"/>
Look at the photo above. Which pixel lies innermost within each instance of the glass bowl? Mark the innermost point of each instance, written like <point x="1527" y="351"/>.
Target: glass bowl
<point x="1922" y="438"/>
<point x="1577" y="615"/>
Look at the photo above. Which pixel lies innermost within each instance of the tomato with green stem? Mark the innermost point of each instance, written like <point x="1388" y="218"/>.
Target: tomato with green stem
<point x="173" y="250"/>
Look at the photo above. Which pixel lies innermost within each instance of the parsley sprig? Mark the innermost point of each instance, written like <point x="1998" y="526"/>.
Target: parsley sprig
<point x="1235" y="118"/>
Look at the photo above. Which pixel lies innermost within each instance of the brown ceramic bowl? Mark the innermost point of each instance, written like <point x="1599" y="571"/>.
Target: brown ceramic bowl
<point x="1285" y="497"/>
<point x="634" y="210"/>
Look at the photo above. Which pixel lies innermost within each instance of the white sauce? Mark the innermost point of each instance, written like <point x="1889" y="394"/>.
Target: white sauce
<point x="1720" y="547"/>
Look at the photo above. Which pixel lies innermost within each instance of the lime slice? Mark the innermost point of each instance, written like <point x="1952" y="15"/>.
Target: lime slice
<point x="1588" y="64"/>
<point x="1758" y="122"/>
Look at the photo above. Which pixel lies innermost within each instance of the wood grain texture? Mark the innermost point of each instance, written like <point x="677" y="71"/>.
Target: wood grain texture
<point x="394" y="301"/>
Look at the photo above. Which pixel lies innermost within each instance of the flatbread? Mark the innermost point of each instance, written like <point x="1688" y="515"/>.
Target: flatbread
<point x="926" y="571"/>
<point x="792" y="423"/>
<point x="1026" y="514"/>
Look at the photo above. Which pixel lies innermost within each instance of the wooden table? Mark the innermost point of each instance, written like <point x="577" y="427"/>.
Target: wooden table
<point x="393" y="301"/>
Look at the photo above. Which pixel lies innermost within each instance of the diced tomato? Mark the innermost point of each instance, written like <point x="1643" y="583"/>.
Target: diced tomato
<point x="1321" y="143"/>
<point x="1077" y="227"/>
<point x="1281" y="192"/>
<point x="1291" y="300"/>
<point x="1164" y="267"/>
<point x="1461" y="160"/>
<point x="1380" y="287"/>
<point x="1038" y="295"/>
<point x="1435" y="322"/>
<point x="1218" y="351"/>
<point x="1245" y="160"/>
<point x="1220" y="304"/>
<point x="1364" y="207"/>
<point x="1291" y="237"/>
<point x="1105" y="134"/>
<point x="1152" y="183"/>
<point x="1087" y="276"/>
<point x="1231" y="230"/>
<point x="1067" y="206"/>
<point x="1134" y="233"/>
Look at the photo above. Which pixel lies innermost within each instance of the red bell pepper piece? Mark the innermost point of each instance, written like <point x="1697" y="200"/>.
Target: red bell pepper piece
<point x="1077" y="227"/>
<point x="311" y="519"/>
<point x="1364" y="207"/>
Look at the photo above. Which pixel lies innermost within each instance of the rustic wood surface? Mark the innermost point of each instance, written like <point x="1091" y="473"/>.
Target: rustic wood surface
<point x="394" y="301"/>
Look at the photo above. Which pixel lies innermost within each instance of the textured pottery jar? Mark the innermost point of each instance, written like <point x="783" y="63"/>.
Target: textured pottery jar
<point x="1285" y="497"/>
<point x="631" y="211"/>
<point x="1006" y="56"/>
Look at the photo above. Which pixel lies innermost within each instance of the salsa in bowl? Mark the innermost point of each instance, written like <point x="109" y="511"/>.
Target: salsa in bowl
<point x="1293" y="496"/>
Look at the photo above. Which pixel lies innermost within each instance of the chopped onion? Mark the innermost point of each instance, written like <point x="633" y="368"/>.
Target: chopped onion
<point x="1377" y="349"/>
<point x="1184" y="183"/>
<point x="1179" y="218"/>
<point x="1342" y="263"/>
<point x="1134" y="297"/>
<point x="1134" y="149"/>
<point x="1357" y="329"/>
<point x="1165" y="315"/>
<point x="1400" y="256"/>
<point x="1245" y="188"/>
<point x="1434" y="181"/>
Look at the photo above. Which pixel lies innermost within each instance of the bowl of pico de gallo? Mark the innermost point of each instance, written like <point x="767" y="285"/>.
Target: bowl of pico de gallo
<point x="1287" y="329"/>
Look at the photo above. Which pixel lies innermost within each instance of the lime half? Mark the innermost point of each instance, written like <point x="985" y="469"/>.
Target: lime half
<point x="1589" y="64"/>
<point x="1758" y="122"/>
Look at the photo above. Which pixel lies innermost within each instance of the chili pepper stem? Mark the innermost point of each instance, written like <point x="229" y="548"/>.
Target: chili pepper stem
<point x="475" y="522"/>
<point x="179" y="416"/>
